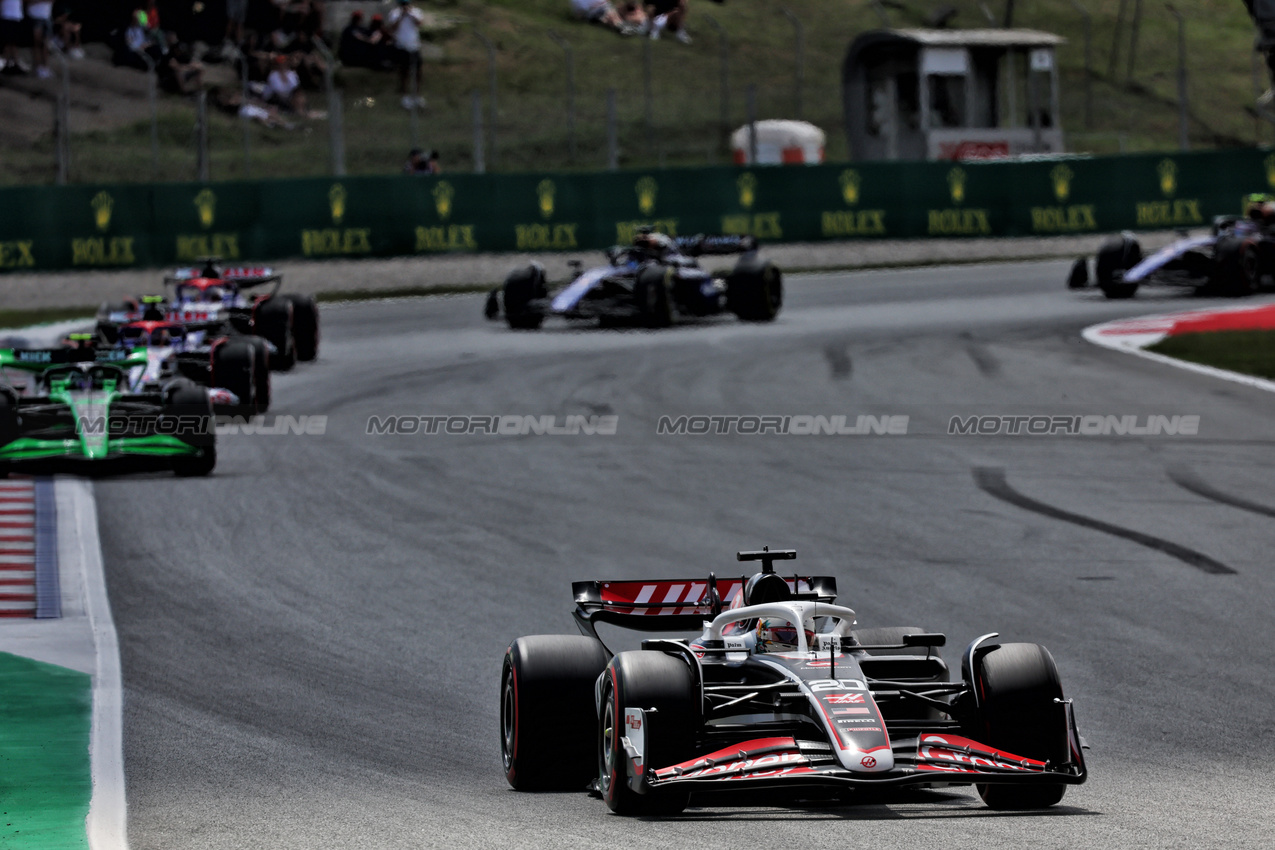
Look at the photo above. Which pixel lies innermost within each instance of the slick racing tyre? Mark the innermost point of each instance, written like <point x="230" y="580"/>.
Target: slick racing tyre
<point x="272" y="319"/>
<point x="646" y="679"/>
<point x="189" y="403"/>
<point x="1117" y="255"/>
<point x="260" y="372"/>
<point x="522" y="287"/>
<point x="755" y="291"/>
<point x="651" y="293"/>
<point x="547" y="713"/>
<point x="1017" y="686"/>
<point x="305" y="326"/>
<point x="234" y="366"/>
<point x="1236" y="266"/>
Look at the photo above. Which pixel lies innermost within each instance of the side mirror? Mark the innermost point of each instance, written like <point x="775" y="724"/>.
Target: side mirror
<point x="925" y="640"/>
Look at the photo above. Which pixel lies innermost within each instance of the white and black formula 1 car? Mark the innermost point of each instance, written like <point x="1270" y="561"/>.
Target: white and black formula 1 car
<point x="1237" y="257"/>
<point x="654" y="282"/>
<point x="779" y="691"/>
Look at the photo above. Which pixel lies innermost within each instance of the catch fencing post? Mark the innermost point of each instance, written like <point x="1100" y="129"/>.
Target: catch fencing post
<point x="799" y="73"/>
<point x="1184" y="138"/>
<point x="613" y="133"/>
<point x="648" y="97"/>
<point x="1088" y="30"/>
<point x="571" y="95"/>
<point x="491" y="74"/>
<point x="752" y="124"/>
<point x="1135" y="26"/>
<point x="62" y="118"/>
<point x="724" y="84"/>
<point x="245" y="120"/>
<point x="336" y="118"/>
<point x="1115" y="41"/>
<point x="202" y="165"/>
<point x="480" y="161"/>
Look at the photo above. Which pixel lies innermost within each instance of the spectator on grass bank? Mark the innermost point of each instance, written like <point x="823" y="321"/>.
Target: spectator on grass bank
<point x="283" y="87"/>
<point x="405" y="25"/>
<point x="15" y="32"/>
<point x="66" y="30"/>
<point x="137" y="43"/>
<point x="670" y="15"/>
<point x="1263" y="14"/>
<point x="362" y="45"/>
<point x="603" y="13"/>
<point x="40" y="19"/>
<point x="181" y="72"/>
<point x="236" y="16"/>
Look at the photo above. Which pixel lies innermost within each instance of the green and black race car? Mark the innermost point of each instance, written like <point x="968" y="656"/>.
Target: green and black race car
<point x="69" y="407"/>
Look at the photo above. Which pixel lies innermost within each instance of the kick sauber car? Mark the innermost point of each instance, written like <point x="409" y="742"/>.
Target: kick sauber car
<point x="654" y="282"/>
<point x="68" y="406"/>
<point x="779" y="691"/>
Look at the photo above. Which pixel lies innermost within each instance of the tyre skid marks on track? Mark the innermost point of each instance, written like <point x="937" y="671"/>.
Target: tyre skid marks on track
<point x="991" y="480"/>
<point x="1186" y="478"/>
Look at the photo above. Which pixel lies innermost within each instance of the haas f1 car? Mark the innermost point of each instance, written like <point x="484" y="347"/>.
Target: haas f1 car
<point x="219" y="301"/>
<point x="74" y="406"/>
<point x="1236" y="258"/>
<point x="779" y="691"/>
<point x="654" y="282"/>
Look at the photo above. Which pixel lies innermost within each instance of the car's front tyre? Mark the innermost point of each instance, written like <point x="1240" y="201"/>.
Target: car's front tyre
<point x="646" y="680"/>
<point x="547" y="714"/>
<point x="1020" y="711"/>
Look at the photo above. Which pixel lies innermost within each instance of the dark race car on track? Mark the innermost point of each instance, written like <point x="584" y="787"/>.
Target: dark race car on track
<point x="217" y="299"/>
<point x="1236" y="258"/>
<point x="234" y="367"/>
<point x="73" y="409"/>
<point x="779" y="691"/>
<point x="654" y="282"/>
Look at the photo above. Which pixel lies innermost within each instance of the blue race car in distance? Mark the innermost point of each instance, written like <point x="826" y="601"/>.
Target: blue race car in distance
<point x="654" y="282"/>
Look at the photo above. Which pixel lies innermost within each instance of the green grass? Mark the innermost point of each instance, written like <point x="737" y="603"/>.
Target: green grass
<point x="1247" y="352"/>
<point x="45" y="781"/>
<point x="531" y="126"/>
<point x="43" y="315"/>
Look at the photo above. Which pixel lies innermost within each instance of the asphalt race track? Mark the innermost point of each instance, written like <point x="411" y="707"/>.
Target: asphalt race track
<point x="311" y="639"/>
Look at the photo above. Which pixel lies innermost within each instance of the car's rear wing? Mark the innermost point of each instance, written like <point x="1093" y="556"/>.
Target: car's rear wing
<point x="674" y="605"/>
<point x="701" y="245"/>
<point x="43" y="359"/>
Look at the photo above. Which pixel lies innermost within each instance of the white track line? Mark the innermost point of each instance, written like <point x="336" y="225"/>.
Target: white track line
<point x="106" y="824"/>
<point x="1131" y="344"/>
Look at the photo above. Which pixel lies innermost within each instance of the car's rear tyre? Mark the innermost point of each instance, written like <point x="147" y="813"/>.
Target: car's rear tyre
<point x="260" y="372"/>
<point x="1237" y="266"/>
<point x="189" y="403"/>
<point x="305" y="326"/>
<point x="646" y="679"/>
<point x="1079" y="276"/>
<point x="651" y="294"/>
<point x="1117" y="255"/>
<point x="755" y="291"/>
<point x="1019" y="713"/>
<point x="522" y="287"/>
<point x="547" y="713"/>
<point x="234" y="364"/>
<point x="272" y="319"/>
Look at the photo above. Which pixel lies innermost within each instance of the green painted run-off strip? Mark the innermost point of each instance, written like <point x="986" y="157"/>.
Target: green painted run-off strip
<point x="45" y="779"/>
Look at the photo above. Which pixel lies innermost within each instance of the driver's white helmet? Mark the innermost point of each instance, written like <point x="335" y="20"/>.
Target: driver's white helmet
<point x="775" y="634"/>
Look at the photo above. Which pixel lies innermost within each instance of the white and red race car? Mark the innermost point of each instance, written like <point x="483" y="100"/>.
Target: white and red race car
<point x="208" y="295"/>
<point x="779" y="691"/>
